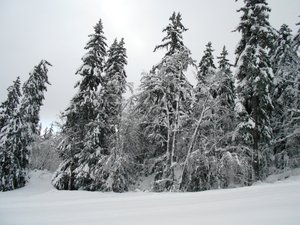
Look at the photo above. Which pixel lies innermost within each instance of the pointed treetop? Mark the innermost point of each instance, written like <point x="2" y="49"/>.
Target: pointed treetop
<point x="282" y="45"/>
<point x="115" y="65"/>
<point x="116" y="55"/>
<point x="224" y="64"/>
<point x="99" y="27"/>
<point x="93" y="61"/>
<point x="173" y="41"/>
<point x="206" y="64"/>
<point x="254" y="27"/>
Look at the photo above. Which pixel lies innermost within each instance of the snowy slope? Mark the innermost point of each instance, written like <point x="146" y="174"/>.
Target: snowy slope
<point x="39" y="204"/>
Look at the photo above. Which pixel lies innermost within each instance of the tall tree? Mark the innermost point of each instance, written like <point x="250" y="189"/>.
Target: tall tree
<point x="80" y="115"/>
<point x="254" y="79"/>
<point x="225" y="85"/>
<point x="33" y="91"/>
<point x="115" y="80"/>
<point x="12" y="175"/>
<point x="286" y="99"/>
<point x="33" y="96"/>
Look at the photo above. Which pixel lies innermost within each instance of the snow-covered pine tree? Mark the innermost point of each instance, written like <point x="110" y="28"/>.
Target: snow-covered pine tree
<point x="222" y="88"/>
<point x="81" y="144"/>
<point x="118" y="167"/>
<point x="8" y="107"/>
<point x="234" y="165"/>
<point x="12" y="175"/>
<point x="206" y="67"/>
<point x="286" y="100"/>
<point x="173" y="40"/>
<point x="282" y="44"/>
<point x="33" y="96"/>
<point x="115" y="77"/>
<point x="254" y="80"/>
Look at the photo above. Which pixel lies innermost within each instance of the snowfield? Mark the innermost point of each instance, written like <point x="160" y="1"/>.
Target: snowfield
<point x="39" y="204"/>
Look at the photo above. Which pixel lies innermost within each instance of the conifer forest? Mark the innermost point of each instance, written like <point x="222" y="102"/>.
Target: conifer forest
<point x="237" y="125"/>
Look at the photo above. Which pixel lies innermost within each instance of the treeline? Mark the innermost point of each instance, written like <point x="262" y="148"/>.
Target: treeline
<point x="230" y="129"/>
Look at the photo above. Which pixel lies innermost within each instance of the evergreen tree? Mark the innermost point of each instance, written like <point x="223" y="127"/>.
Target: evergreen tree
<point x="8" y="107"/>
<point x="33" y="96"/>
<point x="80" y="142"/>
<point x="254" y="80"/>
<point x="33" y="91"/>
<point x="173" y="40"/>
<point x="224" y="82"/>
<point x="282" y="44"/>
<point x="115" y="80"/>
<point x="12" y="175"/>
<point x="206" y="67"/>
<point x="20" y="125"/>
<point x="286" y="100"/>
<point x="92" y="148"/>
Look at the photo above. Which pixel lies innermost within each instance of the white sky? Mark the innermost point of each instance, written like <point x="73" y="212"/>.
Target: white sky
<point x="57" y="30"/>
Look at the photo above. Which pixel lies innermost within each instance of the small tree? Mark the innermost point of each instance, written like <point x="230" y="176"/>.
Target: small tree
<point x="206" y="67"/>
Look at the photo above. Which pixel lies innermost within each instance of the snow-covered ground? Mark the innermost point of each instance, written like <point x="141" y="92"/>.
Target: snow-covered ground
<point x="39" y="204"/>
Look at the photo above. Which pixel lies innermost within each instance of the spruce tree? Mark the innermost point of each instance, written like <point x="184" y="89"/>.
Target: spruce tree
<point x="286" y="100"/>
<point x="12" y="175"/>
<point x="254" y="79"/>
<point x="117" y="166"/>
<point x="8" y="107"/>
<point x="33" y="96"/>
<point x="115" y="76"/>
<point x="173" y="40"/>
<point x="80" y="142"/>
<point x="33" y="91"/>
<point x="206" y="67"/>
<point x="225" y="86"/>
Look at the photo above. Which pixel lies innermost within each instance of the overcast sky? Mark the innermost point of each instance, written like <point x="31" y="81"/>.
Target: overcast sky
<point x="57" y="30"/>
